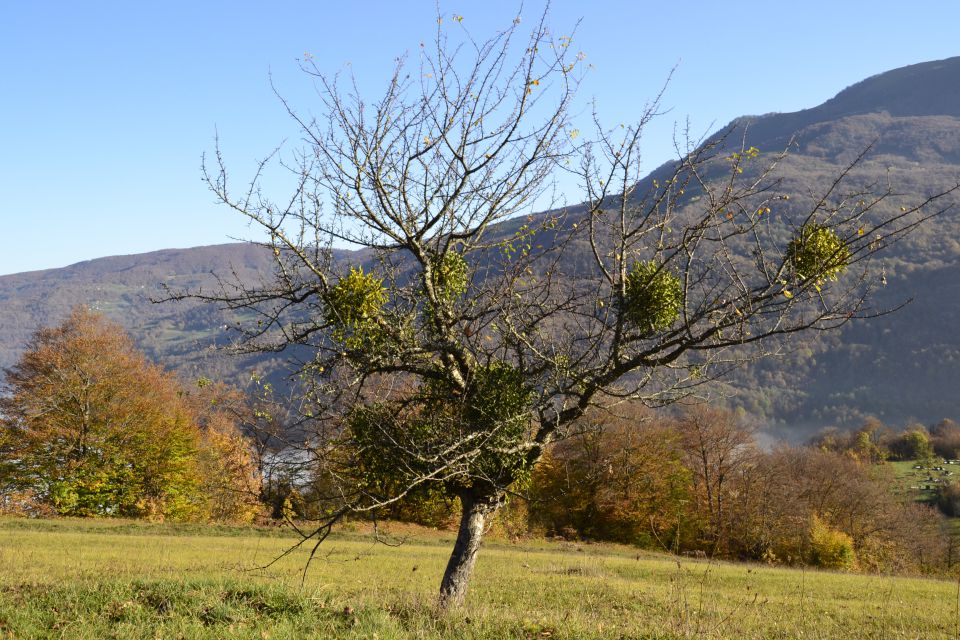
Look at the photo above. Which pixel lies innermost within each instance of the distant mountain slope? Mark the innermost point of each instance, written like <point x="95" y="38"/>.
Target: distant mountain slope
<point x="180" y="335"/>
<point x="906" y="365"/>
<point x="902" y="366"/>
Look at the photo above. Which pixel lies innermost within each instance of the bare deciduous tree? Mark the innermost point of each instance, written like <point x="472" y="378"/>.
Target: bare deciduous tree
<point x="465" y="337"/>
<point x="716" y="448"/>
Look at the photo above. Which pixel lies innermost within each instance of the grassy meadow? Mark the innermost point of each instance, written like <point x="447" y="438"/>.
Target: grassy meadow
<point x="116" y="579"/>
<point x="916" y="483"/>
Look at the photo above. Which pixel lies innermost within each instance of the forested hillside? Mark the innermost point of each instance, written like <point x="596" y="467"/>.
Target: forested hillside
<point x="905" y="365"/>
<point x="181" y="336"/>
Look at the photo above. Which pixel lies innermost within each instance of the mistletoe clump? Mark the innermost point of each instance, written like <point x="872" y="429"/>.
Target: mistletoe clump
<point x="653" y="297"/>
<point x="381" y="435"/>
<point x="484" y="427"/>
<point x="354" y="306"/>
<point x="496" y="407"/>
<point x="817" y="252"/>
<point x="498" y="399"/>
<point x="451" y="276"/>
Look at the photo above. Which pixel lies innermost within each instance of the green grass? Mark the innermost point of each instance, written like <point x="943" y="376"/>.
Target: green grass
<point x="906" y="477"/>
<point x="109" y="579"/>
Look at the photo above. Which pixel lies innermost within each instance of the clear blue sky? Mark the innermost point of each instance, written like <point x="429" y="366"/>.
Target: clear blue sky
<point x="107" y="107"/>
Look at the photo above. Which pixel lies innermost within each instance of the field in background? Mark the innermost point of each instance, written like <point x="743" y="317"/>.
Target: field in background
<point x="112" y="579"/>
<point x="922" y="484"/>
<point x="917" y="484"/>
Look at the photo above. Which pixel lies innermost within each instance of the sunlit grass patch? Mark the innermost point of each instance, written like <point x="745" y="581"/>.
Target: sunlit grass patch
<point x="108" y="579"/>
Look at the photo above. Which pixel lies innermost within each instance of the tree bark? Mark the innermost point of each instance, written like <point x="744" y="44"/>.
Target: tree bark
<point x="477" y="509"/>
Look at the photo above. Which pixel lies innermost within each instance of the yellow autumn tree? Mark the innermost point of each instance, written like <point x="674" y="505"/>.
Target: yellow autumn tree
<point x="230" y="481"/>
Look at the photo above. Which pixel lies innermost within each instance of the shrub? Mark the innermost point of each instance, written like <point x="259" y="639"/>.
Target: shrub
<point x="830" y="548"/>
<point x="948" y="499"/>
<point x="911" y="445"/>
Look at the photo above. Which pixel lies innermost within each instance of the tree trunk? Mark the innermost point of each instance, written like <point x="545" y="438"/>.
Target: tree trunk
<point x="477" y="509"/>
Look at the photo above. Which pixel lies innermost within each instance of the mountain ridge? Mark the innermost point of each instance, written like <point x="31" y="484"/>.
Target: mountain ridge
<point x="920" y="90"/>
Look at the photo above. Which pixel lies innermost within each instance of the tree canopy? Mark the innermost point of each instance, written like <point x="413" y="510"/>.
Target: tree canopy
<point x="88" y="427"/>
